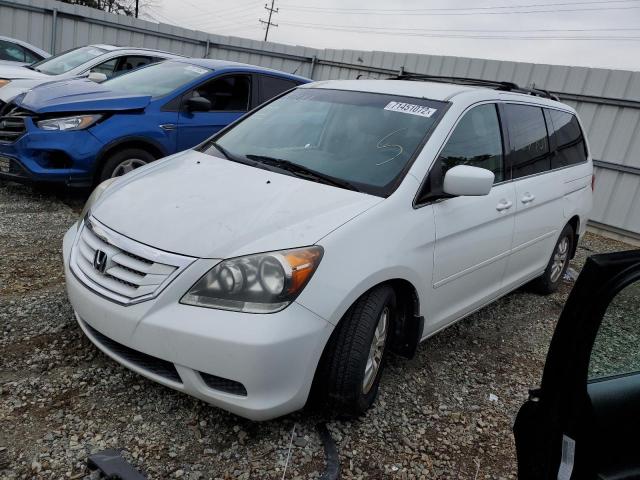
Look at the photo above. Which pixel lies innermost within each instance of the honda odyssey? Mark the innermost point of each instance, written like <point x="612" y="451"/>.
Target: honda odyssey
<point x="286" y="256"/>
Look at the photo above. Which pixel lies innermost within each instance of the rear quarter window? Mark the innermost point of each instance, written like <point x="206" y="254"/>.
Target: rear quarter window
<point x="567" y="139"/>
<point x="273" y="86"/>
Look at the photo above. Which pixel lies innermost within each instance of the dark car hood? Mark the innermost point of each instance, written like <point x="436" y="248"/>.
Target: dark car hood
<point x="78" y="95"/>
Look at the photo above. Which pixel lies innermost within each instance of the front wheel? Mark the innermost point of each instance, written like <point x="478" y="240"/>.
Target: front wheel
<point x="124" y="161"/>
<point x="550" y="280"/>
<point x="354" y="359"/>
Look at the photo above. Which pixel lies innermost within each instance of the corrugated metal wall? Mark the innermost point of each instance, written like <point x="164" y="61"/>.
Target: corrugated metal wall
<point x="608" y="101"/>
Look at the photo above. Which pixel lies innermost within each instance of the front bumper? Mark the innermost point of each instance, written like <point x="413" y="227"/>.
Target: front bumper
<point x="272" y="356"/>
<point x="50" y="156"/>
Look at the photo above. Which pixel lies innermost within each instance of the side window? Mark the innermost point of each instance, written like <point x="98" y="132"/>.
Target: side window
<point x="615" y="351"/>
<point x="476" y="141"/>
<point x="230" y="93"/>
<point x="31" y="57"/>
<point x="567" y="139"/>
<point x="131" y="62"/>
<point x="528" y="139"/>
<point x="272" y="86"/>
<point x="107" y="67"/>
<point x="9" y="51"/>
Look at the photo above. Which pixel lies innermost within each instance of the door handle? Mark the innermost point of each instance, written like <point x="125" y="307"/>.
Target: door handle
<point x="504" y="205"/>
<point x="527" y="198"/>
<point x="168" y="126"/>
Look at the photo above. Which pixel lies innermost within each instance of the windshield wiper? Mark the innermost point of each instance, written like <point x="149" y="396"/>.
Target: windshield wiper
<point x="303" y="172"/>
<point x="229" y="156"/>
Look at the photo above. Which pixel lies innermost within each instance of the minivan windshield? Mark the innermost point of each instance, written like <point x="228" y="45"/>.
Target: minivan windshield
<point x="66" y="61"/>
<point x="156" y="80"/>
<point x="362" y="139"/>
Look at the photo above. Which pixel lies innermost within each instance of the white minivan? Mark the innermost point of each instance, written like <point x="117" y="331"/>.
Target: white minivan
<point x="284" y="258"/>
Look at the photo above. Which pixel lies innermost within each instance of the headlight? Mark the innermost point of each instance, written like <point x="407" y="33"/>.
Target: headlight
<point x="4" y="81"/>
<point x="261" y="283"/>
<point x="95" y="195"/>
<point x="77" y="122"/>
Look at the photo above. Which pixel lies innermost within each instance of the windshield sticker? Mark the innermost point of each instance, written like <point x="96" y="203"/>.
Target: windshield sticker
<point x="411" y="109"/>
<point x="198" y="70"/>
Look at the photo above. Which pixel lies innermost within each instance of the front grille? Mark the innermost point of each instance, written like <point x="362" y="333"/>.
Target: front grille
<point x="11" y="128"/>
<point x="224" y="384"/>
<point x="130" y="272"/>
<point x="152" y="364"/>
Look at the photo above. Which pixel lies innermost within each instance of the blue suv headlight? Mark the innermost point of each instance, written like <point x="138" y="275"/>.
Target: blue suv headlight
<point x="77" y="122"/>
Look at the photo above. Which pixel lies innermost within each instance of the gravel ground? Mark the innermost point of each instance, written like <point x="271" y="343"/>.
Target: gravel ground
<point x="445" y="414"/>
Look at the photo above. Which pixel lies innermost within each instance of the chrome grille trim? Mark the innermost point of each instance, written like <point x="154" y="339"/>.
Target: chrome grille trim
<point x="134" y="272"/>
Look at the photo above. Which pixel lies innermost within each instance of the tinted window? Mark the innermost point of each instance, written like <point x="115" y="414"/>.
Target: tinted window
<point x="12" y="52"/>
<point x="272" y="86"/>
<point x="476" y="141"/>
<point x="567" y="139"/>
<point x="229" y="93"/>
<point x="367" y="139"/>
<point x="131" y="63"/>
<point x="30" y="56"/>
<point x="528" y="139"/>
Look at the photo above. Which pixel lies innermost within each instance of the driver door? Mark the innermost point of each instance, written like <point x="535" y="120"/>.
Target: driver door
<point x="583" y="421"/>
<point x="230" y="98"/>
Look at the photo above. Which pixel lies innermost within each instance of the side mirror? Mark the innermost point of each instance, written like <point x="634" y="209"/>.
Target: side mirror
<point x="198" y="104"/>
<point x="97" y="77"/>
<point x="465" y="180"/>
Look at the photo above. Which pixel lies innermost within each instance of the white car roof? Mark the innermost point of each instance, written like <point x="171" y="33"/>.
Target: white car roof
<point x="435" y="91"/>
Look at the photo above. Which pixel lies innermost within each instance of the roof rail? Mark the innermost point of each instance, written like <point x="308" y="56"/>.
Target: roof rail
<point x="479" y="82"/>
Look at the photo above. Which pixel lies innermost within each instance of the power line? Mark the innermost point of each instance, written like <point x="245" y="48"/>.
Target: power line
<point x="269" y="23"/>
<point x="463" y="30"/>
<point x="409" y="11"/>
<point x="463" y="13"/>
<point x="373" y="31"/>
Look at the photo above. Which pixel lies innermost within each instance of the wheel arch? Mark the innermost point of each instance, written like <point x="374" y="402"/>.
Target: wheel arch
<point x="151" y="146"/>
<point x="409" y="324"/>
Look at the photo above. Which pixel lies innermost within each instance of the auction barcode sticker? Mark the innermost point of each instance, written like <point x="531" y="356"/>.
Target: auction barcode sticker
<point x="411" y="109"/>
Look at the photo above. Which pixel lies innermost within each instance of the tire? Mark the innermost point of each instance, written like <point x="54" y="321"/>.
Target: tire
<point x="550" y="280"/>
<point x="344" y="382"/>
<point x="118" y="163"/>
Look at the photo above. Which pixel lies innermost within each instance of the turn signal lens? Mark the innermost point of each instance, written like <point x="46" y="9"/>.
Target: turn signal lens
<point x="4" y="81"/>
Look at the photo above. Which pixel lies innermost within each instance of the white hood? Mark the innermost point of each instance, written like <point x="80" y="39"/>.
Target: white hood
<point x="16" y="70"/>
<point x="198" y="205"/>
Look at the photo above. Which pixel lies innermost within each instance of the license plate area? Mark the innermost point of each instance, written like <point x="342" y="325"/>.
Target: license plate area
<point x="5" y="165"/>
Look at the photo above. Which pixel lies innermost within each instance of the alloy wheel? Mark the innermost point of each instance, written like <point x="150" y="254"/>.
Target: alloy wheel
<point x="376" y="350"/>
<point x="560" y="257"/>
<point x="127" y="166"/>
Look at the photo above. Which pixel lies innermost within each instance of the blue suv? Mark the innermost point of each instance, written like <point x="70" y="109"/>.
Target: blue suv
<point x="78" y="132"/>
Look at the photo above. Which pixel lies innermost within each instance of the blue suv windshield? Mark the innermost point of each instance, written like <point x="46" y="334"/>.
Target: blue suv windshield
<point x="156" y="80"/>
<point x="66" y="61"/>
<point x="368" y="140"/>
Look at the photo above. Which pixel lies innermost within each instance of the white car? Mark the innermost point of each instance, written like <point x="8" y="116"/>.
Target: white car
<point x="16" y="52"/>
<point x="97" y="62"/>
<point x="342" y="220"/>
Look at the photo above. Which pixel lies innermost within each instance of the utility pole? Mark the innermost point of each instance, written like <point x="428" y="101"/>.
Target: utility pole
<point x="268" y="23"/>
<point x="137" y="5"/>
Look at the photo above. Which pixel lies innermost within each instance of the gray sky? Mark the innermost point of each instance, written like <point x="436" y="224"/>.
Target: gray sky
<point x="589" y="33"/>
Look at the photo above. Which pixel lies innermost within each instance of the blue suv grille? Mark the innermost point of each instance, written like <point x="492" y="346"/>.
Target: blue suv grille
<point x="12" y="125"/>
<point x="11" y="128"/>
